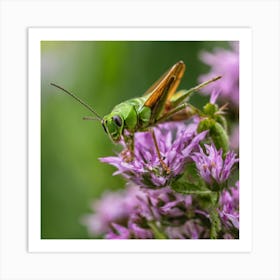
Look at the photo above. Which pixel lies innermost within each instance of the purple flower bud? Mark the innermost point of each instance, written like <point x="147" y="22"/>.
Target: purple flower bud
<point x="214" y="95"/>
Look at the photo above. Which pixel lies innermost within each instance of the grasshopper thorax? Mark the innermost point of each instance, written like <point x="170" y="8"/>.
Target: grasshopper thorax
<point x="113" y="125"/>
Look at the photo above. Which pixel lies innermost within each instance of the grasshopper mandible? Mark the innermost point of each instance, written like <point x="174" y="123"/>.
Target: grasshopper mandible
<point x="159" y="103"/>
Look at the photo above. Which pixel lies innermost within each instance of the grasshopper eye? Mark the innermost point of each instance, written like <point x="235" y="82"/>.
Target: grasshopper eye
<point x="118" y="121"/>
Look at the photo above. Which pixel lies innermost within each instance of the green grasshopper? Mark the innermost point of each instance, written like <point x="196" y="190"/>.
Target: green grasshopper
<point x="159" y="103"/>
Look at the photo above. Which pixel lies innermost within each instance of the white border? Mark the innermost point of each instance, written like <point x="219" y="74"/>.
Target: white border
<point x="243" y="244"/>
<point x="263" y="260"/>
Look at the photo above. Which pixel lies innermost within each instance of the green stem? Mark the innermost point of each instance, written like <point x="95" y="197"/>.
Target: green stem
<point x="215" y="218"/>
<point x="156" y="231"/>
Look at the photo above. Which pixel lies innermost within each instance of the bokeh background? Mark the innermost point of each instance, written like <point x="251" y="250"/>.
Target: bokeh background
<point x="103" y="74"/>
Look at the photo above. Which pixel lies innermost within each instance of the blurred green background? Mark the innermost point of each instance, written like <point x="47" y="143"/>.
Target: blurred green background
<point x="103" y="74"/>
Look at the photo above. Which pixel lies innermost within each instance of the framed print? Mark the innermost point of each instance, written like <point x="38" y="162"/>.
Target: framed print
<point x="177" y="150"/>
<point x="165" y="164"/>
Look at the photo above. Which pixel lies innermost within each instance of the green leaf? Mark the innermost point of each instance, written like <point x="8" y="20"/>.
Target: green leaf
<point x="207" y="201"/>
<point x="192" y="176"/>
<point x="186" y="187"/>
<point x="190" y="182"/>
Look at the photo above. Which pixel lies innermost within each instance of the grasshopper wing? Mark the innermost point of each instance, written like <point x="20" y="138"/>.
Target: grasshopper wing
<point x="162" y="90"/>
<point x="177" y="70"/>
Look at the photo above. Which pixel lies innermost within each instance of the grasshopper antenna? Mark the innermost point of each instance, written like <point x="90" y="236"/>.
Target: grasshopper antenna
<point x="78" y="99"/>
<point x="90" y="118"/>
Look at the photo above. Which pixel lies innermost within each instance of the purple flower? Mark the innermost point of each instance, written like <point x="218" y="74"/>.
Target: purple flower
<point x="148" y="214"/>
<point x="191" y="229"/>
<point x="163" y="202"/>
<point x="176" y="142"/>
<point x="211" y="165"/>
<point x="226" y="63"/>
<point x="142" y="213"/>
<point x="229" y="206"/>
<point x="118" y="232"/>
<point x="112" y="207"/>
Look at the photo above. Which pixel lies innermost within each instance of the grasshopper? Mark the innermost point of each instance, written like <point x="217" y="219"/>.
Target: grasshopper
<point x="160" y="103"/>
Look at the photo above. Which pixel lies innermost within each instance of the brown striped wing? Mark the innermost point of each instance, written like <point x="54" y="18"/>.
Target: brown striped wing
<point x="158" y="89"/>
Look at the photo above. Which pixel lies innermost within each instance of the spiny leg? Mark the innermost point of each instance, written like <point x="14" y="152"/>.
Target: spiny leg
<point x="163" y="164"/>
<point x="182" y="112"/>
<point x="128" y="152"/>
<point x="184" y="95"/>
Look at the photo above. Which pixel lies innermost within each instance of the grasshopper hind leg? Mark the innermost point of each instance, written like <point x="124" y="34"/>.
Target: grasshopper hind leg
<point x="128" y="153"/>
<point x="163" y="164"/>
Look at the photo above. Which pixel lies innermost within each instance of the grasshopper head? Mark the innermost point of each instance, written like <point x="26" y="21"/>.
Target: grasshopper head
<point x="113" y="125"/>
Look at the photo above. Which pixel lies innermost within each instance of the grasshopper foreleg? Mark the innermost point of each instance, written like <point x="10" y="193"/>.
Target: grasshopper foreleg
<point x="128" y="152"/>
